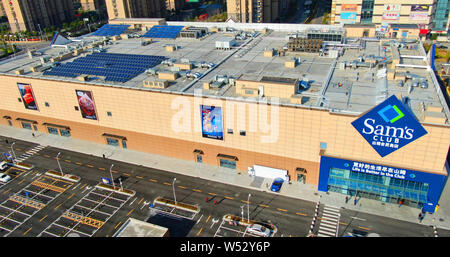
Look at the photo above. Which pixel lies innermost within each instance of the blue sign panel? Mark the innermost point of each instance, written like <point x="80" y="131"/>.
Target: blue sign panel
<point x="389" y="126"/>
<point x="106" y="181"/>
<point x="348" y="16"/>
<point x="435" y="182"/>
<point x="212" y="122"/>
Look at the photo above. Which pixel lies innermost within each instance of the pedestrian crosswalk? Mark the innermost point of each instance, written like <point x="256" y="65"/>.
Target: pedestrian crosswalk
<point x="30" y="152"/>
<point x="329" y="222"/>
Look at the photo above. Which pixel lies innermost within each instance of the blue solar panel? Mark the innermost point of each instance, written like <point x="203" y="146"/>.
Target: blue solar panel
<point x="110" y="30"/>
<point x="114" y="67"/>
<point x="163" y="31"/>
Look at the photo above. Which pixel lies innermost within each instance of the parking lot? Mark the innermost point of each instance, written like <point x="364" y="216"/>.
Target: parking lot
<point x="28" y="201"/>
<point x="88" y="215"/>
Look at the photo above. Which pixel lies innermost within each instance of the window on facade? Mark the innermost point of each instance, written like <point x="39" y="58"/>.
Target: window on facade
<point x="64" y="132"/>
<point x="230" y="131"/>
<point x="10" y="123"/>
<point x="52" y="131"/>
<point x="227" y="163"/>
<point x="26" y="125"/>
<point x="109" y="114"/>
<point x="124" y="144"/>
<point x="199" y="158"/>
<point x="112" y="141"/>
<point x="47" y="104"/>
<point x="242" y="133"/>
<point x="76" y="108"/>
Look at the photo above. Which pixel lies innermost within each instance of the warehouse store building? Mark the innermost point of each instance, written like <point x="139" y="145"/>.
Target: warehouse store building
<point x="248" y="108"/>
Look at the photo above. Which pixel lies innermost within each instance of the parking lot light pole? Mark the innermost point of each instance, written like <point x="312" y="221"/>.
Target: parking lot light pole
<point x="173" y="186"/>
<point x="120" y="181"/>
<point x="112" y="179"/>
<point x="248" y="208"/>
<point x="59" y="165"/>
<point x="14" y="155"/>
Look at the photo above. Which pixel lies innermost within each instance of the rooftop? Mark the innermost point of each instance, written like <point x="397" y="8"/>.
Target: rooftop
<point x="352" y="89"/>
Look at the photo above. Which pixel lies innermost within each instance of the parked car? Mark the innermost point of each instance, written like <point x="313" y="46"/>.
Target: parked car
<point x="259" y="230"/>
<point x="424" y="84"/>
<point x="415" y="84"/>
<point x="4" y="178"/>
<point x="3" y="165"/>
<point x="276" y="184"/>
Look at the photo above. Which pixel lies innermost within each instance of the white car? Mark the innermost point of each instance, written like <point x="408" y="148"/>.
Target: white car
<point x="259" y="230"/>
<point x="4" y="178"/>
<point x="3" y="166"/>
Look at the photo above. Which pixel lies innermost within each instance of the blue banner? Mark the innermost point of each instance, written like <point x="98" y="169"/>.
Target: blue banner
<point x="212" y="126"/>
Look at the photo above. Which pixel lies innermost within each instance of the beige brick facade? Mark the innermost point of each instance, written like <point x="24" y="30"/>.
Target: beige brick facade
<point x="154" y="122"/>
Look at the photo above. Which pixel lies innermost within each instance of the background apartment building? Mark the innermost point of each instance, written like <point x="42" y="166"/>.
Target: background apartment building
<point x="383" y="12"/>
<point x="33" y="15"/>
<point x="256" y="11"/>
<point x="136" y="9"/>
<point x="441" y="19"/>
<point x="92" y="5"/>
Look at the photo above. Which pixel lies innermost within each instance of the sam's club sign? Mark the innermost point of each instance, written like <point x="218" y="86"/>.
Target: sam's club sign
<point x="389" y="126"/>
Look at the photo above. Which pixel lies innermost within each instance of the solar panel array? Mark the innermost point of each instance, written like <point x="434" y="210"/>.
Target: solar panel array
<point x="163" y="31"/>
<point x="114" y="67"/>
<point x="108" y="30"/>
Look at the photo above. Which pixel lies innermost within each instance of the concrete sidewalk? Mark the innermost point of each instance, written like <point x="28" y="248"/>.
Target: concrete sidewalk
<point x="440" y="219"/>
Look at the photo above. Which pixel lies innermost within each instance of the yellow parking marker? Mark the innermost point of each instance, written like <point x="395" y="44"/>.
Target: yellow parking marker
<point x="214" y="194"/>
<point x="200" y="231"/>
<point x="67" y="160"/>
<point x="140" y="201"/>
<point x="46" y="155"/>
<point x="101" y="168"/>
<point x="79" y="163"/>
<point x="182" y="187"/>
<point x="126" y="174"/>
<point x="153" y="180"/>
<point x="43" y="218"/>
<point x="302" y="214"/>
<point x="264" y="205"/>
<point x="21" y="182"/>
<point x="343" y="223"/>
<point x="244" y="201"/>
<point x="58" y="206"/>
<point x="90" y="166"/>
<point x="363" y="228"/>
<point x="229" y="198"/>
<point x="167" y="184"/>
<point x="118" y="224"/>
<point x="7" y="191"/>
<point x="83" y="186"/>
<point x="128" y="214"/>
<point x="71" y="196"/>
<point x="283" y="210"/>
<point x="197" y="190"/>
<point x="208" y="219"/>
<point x="139" y="177"/>
<point x="26" y="232"/>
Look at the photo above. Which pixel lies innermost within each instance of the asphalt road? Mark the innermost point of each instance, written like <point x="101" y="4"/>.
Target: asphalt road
<point x="292" y="217"/>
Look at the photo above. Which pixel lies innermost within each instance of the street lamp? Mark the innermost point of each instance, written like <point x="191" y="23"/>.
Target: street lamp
<point x="59" y="165"/>
<point x="173" y="186"/>
<point x="248" y="208"/>
<point x="110" y="172"/>
<point x="120" y="181"/>
<point x="14" y="155"/>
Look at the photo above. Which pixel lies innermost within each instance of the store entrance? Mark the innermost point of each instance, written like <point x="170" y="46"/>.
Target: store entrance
<point x="380" y="188"/>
